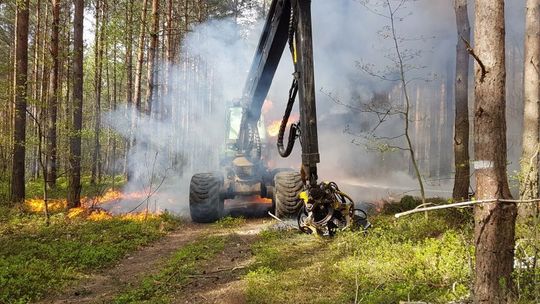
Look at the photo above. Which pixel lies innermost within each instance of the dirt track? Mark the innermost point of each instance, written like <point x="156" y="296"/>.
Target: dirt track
<point x="218" y="283"/>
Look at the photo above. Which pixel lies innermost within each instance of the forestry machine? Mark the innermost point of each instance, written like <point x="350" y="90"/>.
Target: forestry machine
<point x="319" y="207"/>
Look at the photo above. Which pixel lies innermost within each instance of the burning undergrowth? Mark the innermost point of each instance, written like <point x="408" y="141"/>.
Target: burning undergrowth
<point x="126" y="204"/>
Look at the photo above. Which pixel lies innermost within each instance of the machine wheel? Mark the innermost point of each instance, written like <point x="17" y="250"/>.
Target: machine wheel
<point x="205" y="201"/>
<point x="288" y="185"/>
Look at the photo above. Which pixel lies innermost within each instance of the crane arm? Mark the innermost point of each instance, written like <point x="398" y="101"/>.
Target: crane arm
<point x="265" y="62"/>
<point x="287" y="20"/>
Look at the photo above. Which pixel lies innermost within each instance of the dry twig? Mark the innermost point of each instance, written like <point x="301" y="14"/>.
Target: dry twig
<point x="473" y="54"/>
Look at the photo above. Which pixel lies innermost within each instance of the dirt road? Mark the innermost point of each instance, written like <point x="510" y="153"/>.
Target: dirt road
<point x="218" y="281"/>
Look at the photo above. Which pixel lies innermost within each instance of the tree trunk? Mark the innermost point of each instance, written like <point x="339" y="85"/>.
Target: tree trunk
<point x="74" y="191"/>
<point x="461" y="122"/>
<point x="43" y="99"/>
<point x="34" y="170"/>
<point x="98" y="53"/>
<point x="140" y="57"/>
<point x="494" y="222"/>
<point x="21" y="77"/>
<point x="114" y="101"/>
<point x="152" y="58"/>
<point x="168" y="75"/>
<point x="138" y="79"/>
<point x="129" y="52"/>
<point x="68" y="110"/>
<point x="53" y="100"/>
<point x="129" y="75"/>
<point x="531" y="97"/>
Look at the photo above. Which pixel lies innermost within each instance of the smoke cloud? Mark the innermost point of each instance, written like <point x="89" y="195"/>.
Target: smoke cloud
<point x="216" y="57"/>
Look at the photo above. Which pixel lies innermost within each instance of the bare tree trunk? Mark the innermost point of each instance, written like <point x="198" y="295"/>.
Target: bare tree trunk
<point x="494" y="222"/>
<point x="43" y="97"/>
<point x="461" y="125"/>
<point x="152" y="58"/>
<point x="129" y="74"/>
<point x="531" y="97"/>
<point x="53" y="100"/>
<point x="98" y="53"/>
<point x="34" y="170"/>
<point x="21" y="77"/>
<point x="68" y="96"/>
<point x="138" y="80"/>
<point x="114" y="101"/>
<point x="166" y="108"/>
<point x="129" y="52"/>
<point x="140" y="57"/>
<point x="37" y="43"/>
<point x="74" y="191"/>
<point x="106" y="158"/>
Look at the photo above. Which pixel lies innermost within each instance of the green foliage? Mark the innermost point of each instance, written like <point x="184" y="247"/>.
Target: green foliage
<point x="36" y="260"/>
<point x="526" y="275"/>
<point x="185" y="262"/>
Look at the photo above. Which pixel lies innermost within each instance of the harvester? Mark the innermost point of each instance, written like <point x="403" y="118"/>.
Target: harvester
<point x="319" y="207"/>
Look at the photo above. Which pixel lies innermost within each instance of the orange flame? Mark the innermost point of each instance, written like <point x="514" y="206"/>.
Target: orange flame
<point x="273" y="127"/>
<point x="55" y="205"/>
<point x="262" y="200"/>
<point x="89" y="206"/>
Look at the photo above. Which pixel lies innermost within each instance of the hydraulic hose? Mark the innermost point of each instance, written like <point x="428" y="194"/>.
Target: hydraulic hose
<point x="293" y="131"/>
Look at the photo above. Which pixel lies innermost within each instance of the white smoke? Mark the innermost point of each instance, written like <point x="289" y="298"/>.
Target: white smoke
<point x="219" y="54"/>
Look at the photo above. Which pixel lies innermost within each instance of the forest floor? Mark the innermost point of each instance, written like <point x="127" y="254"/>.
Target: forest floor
<point x="161" y="259"/>
<point x="214" y="282"/>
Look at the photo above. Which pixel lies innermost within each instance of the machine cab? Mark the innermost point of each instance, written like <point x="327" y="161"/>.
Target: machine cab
<point x="232" y="132"/>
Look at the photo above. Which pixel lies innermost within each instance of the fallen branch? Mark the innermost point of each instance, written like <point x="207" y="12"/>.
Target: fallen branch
<point x="226" y="269"/>
<point x="202" y="276"/>
<point x="473" y="54"/>
<point x="463" y="204"/>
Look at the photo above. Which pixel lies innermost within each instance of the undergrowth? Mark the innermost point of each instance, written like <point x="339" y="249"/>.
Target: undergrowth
<point x="36" y="260"/>
<point x="415" y="258"/>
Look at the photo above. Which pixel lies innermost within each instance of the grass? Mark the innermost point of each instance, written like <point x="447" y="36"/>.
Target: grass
<point x="411" y="259"/>
<point x="36" y="260"/>
<point x="160" y="288"/>
<point x="230" y="222"/>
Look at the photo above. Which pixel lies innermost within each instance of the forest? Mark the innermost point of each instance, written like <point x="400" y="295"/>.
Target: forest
<point x="138" y="156"/>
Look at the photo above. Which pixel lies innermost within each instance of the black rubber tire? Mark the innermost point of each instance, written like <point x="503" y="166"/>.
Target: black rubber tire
<point x="205" y="201"/>
<point x="288" y="185"/>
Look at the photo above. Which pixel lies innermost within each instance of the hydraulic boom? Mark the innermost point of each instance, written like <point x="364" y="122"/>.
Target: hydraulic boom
<point x="320" y="207"/>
